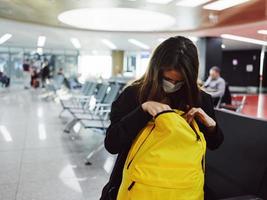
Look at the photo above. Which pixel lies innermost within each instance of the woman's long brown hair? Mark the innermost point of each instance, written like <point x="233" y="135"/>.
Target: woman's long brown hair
<point x="176" y="53"/>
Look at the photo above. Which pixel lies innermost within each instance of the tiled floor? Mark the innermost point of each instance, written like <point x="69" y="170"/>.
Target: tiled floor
<point x="40" y="162"/>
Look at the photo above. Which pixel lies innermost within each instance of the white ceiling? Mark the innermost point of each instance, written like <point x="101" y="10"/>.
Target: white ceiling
<point x="46" y="12"/>
<point x="40" y="18"/>
<point x="26" y="34"/>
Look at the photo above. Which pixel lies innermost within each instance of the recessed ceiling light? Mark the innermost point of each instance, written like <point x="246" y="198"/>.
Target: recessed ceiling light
<point x="264" y="32"/>
<point x="76" y="43"/>
<point x="223" y="4"/>
<point x="159" y="1"/>
<point x="117" y="19"/>
<point x="139" y="44"/>
<point x="41" y="41"/>
<point x="108" y="43"/>
<point x="191" y="3"/>
<point x="223" y="46"/>
<point x="5" y="37"/>
<point x="244" y="39"/>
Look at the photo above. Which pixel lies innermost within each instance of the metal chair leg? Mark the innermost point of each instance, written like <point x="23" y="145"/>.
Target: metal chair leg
<point x="87" y="160"/>
<point x="70" y="125"/>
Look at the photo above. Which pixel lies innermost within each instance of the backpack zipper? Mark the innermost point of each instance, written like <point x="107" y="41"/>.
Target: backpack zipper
<point x="195" y="131"/>
<point x="140" y="146"/>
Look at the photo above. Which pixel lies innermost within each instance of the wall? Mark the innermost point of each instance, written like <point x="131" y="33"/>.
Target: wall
<point x="264" y="83"/>
<point x="237" y="74"/>
<point x="213" y="53"/>
<point x="117" y="62"/>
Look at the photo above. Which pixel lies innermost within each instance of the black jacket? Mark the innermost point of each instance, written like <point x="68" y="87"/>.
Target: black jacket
<point x="128" y="118"/>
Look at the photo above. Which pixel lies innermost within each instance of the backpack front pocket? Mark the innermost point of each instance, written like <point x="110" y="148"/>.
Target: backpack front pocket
<point x="176" y="178"/>
<point x="141" y="191"/>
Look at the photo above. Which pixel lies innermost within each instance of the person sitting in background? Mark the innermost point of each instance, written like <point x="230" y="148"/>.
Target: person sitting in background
<point x="215" y="84"/>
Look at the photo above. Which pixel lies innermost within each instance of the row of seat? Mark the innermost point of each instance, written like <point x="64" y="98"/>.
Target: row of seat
<point x="89" y="106"/>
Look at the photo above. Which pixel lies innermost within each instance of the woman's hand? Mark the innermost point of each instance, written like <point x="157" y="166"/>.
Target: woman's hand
<point x="199" y="114"/>
<point x="153" y="107"/>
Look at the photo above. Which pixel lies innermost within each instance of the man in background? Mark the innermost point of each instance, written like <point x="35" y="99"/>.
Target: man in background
<point x="215" y="84"/>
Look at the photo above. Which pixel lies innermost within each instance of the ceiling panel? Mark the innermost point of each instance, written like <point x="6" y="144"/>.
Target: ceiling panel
<point x="27" y="19"/>
<point x="46" y="11"/>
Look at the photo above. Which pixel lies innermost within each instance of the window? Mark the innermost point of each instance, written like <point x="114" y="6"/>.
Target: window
<point x="95" y="66"/>
<point x="136" y="63"/>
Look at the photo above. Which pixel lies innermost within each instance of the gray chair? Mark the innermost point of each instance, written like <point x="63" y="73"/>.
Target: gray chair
<point x="98" y="117"/>
<point x="79" y="101"/>
<point x="52" y="86"/>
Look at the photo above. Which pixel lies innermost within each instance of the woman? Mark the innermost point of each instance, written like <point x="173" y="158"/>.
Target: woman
<point x="169" y="83"/>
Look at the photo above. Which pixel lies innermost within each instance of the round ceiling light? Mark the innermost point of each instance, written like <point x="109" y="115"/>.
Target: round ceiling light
<point x="117" y="19"/>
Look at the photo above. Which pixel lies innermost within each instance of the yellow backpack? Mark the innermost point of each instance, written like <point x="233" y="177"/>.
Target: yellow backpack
<point x="166" y="161"/>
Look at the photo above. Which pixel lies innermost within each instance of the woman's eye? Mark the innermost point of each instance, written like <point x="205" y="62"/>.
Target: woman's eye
<point x="167" y="79"/>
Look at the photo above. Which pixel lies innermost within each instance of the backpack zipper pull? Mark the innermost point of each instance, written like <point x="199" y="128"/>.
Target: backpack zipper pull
<point x="131" y="186"/>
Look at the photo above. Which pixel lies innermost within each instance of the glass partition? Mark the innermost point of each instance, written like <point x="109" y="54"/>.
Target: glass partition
<point x="12" y="59"/>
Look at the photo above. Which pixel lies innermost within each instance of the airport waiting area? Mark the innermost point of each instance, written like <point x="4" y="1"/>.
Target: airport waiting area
<point x="133" y="100"/>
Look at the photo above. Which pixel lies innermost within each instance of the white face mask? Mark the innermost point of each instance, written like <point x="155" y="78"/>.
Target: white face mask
<point x="169" y="87"/>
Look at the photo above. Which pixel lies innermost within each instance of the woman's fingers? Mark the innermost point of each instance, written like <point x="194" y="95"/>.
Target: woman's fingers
<point x="153" y="111"/>
<point x="167" y="107"/>
<point x="201" y="116"/>
<point x="191" y="114"/>
<point x="160" y="109"/>
<point x="154" y="108"/>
